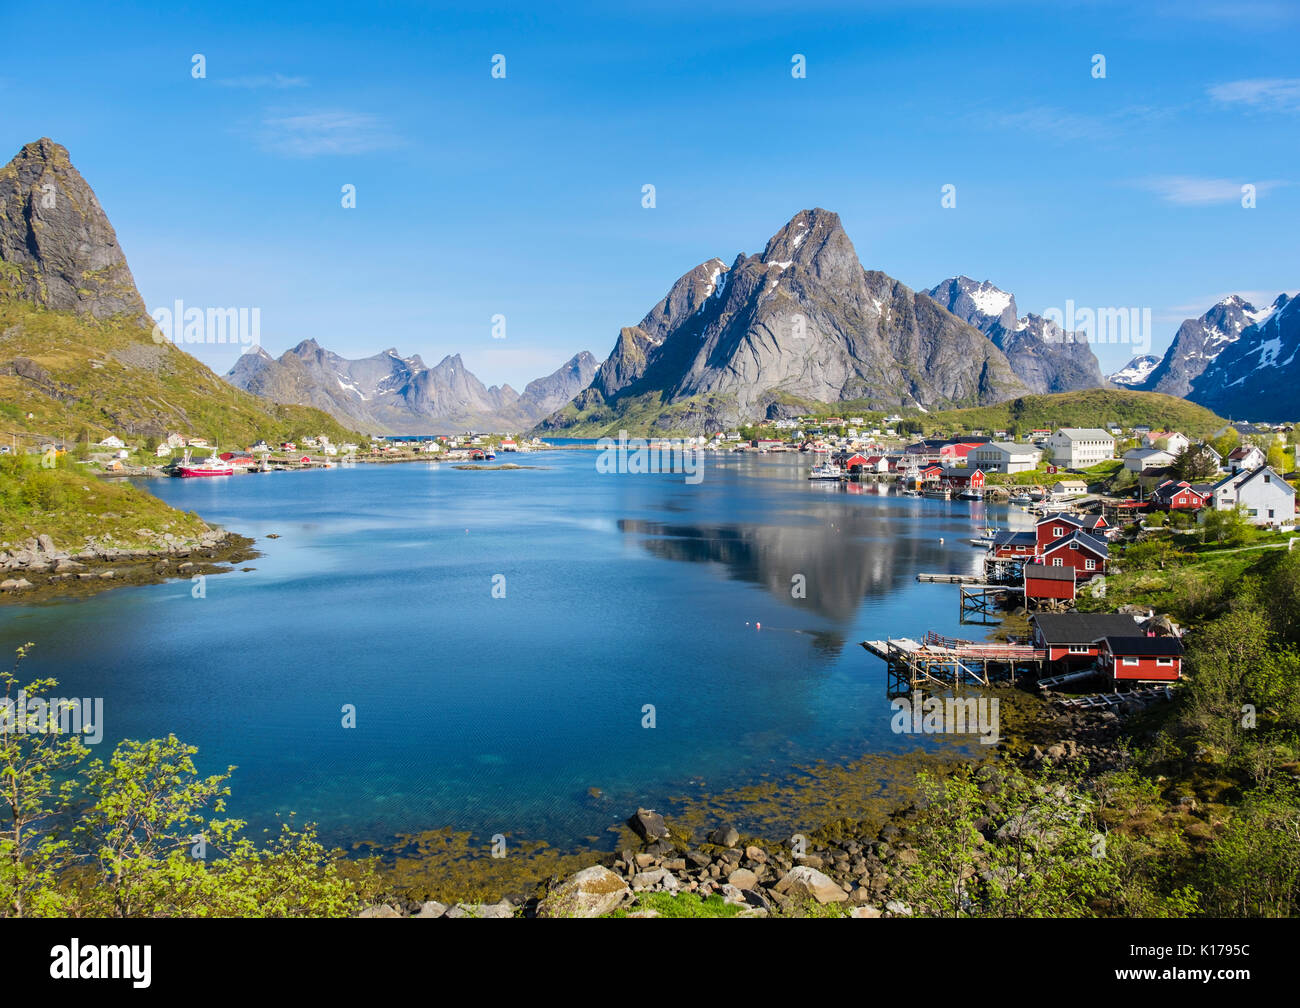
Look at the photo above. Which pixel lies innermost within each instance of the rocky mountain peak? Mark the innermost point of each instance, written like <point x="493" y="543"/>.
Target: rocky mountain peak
<point x="815" y="239"/>
<point x="57" y="248"/>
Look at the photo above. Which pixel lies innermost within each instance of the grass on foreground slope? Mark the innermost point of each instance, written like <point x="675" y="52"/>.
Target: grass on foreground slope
<point x="110" y="377"/>
<point x="70" y="505"/>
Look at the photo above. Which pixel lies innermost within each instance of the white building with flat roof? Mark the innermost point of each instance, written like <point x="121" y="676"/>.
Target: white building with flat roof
<point x="1080" y="447"/>
<point x="1004" y="457"/>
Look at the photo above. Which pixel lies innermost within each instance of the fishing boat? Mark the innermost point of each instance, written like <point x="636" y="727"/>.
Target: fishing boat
<point x="937" y="493"/>
<point x="212" y="466"/>
<point x="971" y="495"/>
<point x="986" y="540"/>
<point x="1021" y="498"/>
<point x="826" y="471"/>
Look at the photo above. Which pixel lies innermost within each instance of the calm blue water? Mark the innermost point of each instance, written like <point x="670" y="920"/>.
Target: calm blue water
<point x="498" y="714"/>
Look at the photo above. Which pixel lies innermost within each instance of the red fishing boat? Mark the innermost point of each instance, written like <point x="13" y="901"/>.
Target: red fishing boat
<point x="213" y="466"/>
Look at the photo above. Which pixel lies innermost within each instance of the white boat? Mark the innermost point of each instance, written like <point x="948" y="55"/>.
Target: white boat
<point x="826" y="471"/>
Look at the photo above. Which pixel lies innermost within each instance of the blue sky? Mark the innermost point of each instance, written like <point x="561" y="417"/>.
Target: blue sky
<point x="522" y="196"/>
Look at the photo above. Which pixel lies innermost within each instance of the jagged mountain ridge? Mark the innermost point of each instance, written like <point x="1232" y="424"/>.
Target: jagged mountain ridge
<point x="1199" y="342"/>
<point x="1257" y="375"/>
<point x="388" y="393"/>
<point x="1044" y="356"/>
<point x="800" y="323"/>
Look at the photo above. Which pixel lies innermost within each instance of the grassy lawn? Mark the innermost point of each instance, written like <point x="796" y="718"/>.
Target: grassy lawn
<point x="683" y="905"/>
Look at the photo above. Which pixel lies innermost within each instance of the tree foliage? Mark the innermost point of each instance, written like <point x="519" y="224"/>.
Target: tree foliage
<point x="139" y="834"/>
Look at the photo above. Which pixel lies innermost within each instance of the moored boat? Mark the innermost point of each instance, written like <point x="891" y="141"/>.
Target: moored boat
<point x="826" y="471"/>
<point x="212" y="466"/>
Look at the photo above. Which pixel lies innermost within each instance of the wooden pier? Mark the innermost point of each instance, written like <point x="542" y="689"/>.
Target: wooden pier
<point x="982" y="603"/>
<point x="943" y="663"/>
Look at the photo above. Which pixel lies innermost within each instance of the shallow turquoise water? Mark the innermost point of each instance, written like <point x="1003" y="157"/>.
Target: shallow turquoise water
<point x="498" y="714"/>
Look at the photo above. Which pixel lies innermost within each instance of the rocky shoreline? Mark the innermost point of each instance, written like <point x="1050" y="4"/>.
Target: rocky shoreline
<point x="38" y="570"/>
<point x="848" y="867"/>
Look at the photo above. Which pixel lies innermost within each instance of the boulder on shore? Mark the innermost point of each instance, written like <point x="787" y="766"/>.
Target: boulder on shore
<point x="592" y="892"/>
<point x="803" y="882"/>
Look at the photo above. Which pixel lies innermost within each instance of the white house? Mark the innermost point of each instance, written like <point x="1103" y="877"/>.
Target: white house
<point x="112" y="441"/>
<point x="1264" y="497"/>
<point x="1175" y="443"/>
<point x="1069" y="488"/>
<point x="1004" y="457"/>
<point x="1081" y="447"/>
<point x="1137" y="459"/>
<point x="1245" y="458"/>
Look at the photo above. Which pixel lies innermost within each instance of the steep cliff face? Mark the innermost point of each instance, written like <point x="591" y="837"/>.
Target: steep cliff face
<point x="57" y="248"/>
<point x="802" y="321"/>
<point x="1044" y="356"/>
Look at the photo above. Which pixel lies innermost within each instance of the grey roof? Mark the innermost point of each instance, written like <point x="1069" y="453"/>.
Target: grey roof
<point x="1082" y="628"/>
<point x="1081" y="433"/>
<point x="1141" y="645"/>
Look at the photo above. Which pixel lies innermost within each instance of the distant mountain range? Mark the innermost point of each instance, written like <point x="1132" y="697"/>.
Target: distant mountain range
<point x="389" y="393"/>
<point x="771" y="335"/>
<point x="1236" y="359"/>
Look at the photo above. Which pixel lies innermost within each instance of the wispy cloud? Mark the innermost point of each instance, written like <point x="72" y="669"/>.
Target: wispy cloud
<point x="259" y="82"/>
<point x="1189" y="190"/>
<point x="1272" y="94"/>
<point x="1066" y="127"/>
<point x="314" y="134"/>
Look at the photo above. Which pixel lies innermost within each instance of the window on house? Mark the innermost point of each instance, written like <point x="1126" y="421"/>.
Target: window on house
<point x="1058" y="562"/>
<point x="1058" y="531"/>
<point x="1130" y="661"/>
<point x="1091" y="565"/>
<point x="1079" y="649"/>
<point x="1164" y="662"/>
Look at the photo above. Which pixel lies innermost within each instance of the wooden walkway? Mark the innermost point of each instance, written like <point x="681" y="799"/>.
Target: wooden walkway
<point x="939" y="662"/>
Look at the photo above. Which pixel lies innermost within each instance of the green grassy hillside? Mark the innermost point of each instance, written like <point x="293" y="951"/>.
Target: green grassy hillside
<point x="60" y="373"/>
<point x="69" y="505"/>
<point x="1088" y="408"/>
